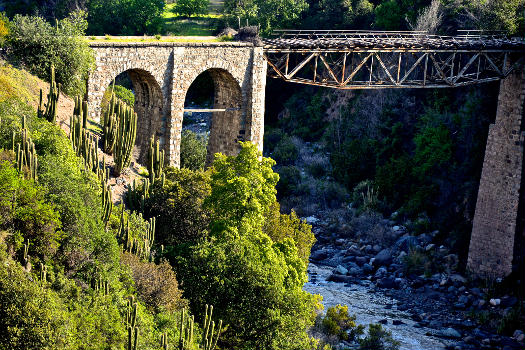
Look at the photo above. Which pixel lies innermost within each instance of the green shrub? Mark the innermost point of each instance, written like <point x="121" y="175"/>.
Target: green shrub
<point x="178" y="206"/>
<point x="191" y="7"/>
<point x="416" y="262"/>
<point x="289" y="178"/>
<point x="285" y="153"/>
<point x="133" y="17"/>
<point x="378" y="339"/>
<point x="193" y="150"/>
<point x="271" y="139"/>
<point x="337" y="322"/>
<point x="38" y="45"/>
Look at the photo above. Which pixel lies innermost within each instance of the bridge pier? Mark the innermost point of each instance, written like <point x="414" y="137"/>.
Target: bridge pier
<point x="494" y="229"/>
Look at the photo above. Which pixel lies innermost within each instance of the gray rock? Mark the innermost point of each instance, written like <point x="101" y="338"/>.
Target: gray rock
<point x="355" y="271"/>
<point x="367" y="268"/>
<point x="424" y="239"/>
<point x="341" y="270"/>
<point x="383" y="258"/>
<point x="340" y="278"/>
<point x="406" y="242"/>
<point x="381" y="272"/>
<point x="430" y="247"/>
<point x="387" y="283"/>
<point x="457" y="278"/>
<point x="312" y="220"/>
<point x="361" y="260"/>
<point x="495" y="302"/>
<point x="376" y="248"/>
<point x="450" y="333"/>
<point x="319" y="255"/>
<point x="464" y="299"/>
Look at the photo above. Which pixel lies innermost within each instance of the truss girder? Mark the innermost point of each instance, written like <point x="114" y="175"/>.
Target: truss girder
<point x="376" y="68"/>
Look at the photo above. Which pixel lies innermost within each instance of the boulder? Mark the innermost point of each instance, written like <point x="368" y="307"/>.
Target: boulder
<point x="319" y="255"/>
<point x="341" y="270"/>
<point x="383" y="258"/>
<point x="340" y="278"/>
<point x="381" y="272"/>
<point x="406" y="242"/>
<point x="367" y="268"/>
<point x="355" y="271"/>
<point x="387" y="283"/>
<point x="457" y="278"/>
<point x="507" y="301"/>
<point x="361" y="260"/>
<point x="450" y="333"/>
<point x="495" y="302"/>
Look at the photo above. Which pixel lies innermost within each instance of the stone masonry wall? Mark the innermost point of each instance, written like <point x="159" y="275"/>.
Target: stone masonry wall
<point x="162" y="74"/>
<point x="494" y="227"/>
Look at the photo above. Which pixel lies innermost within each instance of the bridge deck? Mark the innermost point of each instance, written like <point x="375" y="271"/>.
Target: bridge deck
<point x="372" y="60"/>
<point x="365" y="41"/>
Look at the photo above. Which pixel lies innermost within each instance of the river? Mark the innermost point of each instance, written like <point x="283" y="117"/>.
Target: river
<point x="370" y="308"/>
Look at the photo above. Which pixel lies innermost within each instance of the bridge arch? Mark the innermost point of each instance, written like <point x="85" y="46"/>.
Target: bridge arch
<point x="228" y="122"/>
<point x="149" y="106"/>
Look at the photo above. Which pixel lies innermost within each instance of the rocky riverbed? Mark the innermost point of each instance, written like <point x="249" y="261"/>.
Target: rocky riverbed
<point x="439" y="311"/>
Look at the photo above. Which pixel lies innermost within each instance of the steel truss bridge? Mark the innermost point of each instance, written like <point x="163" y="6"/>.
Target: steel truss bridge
<point x="376" y="60"/>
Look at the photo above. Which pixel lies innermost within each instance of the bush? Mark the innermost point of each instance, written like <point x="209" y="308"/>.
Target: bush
<point x="191" y="7"/>
<point x="156" y="284"/>
<point x="193" y="149"/>
<point x="38" y="45"/>
<point x="416" y="262"/>
<point x="378" y="339"/>
<point x="133" y="17"/>
<point x="285" y="152"/>
<point x="181" y="219"/>
<point x="337" y="322"/>
<point x="289" y="178"/>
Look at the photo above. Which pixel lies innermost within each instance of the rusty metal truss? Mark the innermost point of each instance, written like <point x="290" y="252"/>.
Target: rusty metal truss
<point x="375" y="60"/>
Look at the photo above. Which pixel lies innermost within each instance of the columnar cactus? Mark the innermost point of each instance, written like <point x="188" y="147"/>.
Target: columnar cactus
<point x="186" y="331"/>
<point x="210" y="337"/>
<point x="107" y="202"/>
<point x="26" y="157"/>
<point x="164" y="341"/>
<point x="131" y="323"/>
<point x="84" y="143"/>
<point x="125" y="140"/>
<point x="110" y="121"/>
<point x="155" y="160"/>
<point x="50" y="112"/>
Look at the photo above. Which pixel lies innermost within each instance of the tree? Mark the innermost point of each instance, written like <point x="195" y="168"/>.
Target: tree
<point x="268" y="14"/>
<point x="131" y="17"/>
<point x="191" y="7"/>
<point x="38" y="45"/>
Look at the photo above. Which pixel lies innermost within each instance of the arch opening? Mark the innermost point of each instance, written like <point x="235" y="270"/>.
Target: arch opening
<point x="140" y="89"/>
<point x="213" y="110"/>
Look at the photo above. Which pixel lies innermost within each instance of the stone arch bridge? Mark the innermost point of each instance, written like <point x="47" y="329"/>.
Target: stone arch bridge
<point x="162" y="72"/>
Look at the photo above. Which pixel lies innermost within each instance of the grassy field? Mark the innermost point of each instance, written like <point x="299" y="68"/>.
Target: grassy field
<point x="202" y="25"/>
<point x="166" y="39"/>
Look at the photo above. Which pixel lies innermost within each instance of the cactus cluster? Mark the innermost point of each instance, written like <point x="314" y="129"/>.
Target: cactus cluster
<point x="186" y="331"/>
<point x="27" y="263"/>
<point x="131" y="324"/>
<point x="120" y="132"/>
<point x="26" y="157"/>
<point x="109" y="120"/>
<point x="155" y="161"/>
<point x="137" y="196"/>
<point x="211" y="335"/>
<point x="107" y="201"/>
<point x="84" y="143"/>
<point x="50" y="111"/>
<point x="126" y="135"/>
<point x="140" y="246"/>
<point x="164" y="341"/>
<point x="43" y="273"/>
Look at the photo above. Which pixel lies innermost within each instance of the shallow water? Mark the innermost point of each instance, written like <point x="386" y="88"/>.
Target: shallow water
<point x="370" y="308"/>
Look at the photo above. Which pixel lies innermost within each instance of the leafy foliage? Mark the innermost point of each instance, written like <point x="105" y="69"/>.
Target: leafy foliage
<point x="38" y="45"/>
<point x="125" y="17"/>
<point x="178" y="206"/>
<point x="337" y="322"/>
<point x="378" y="338"/>
<point x="267" y="13"/>
<point x="192" y="150"/>
<point x="191" y="7"/>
